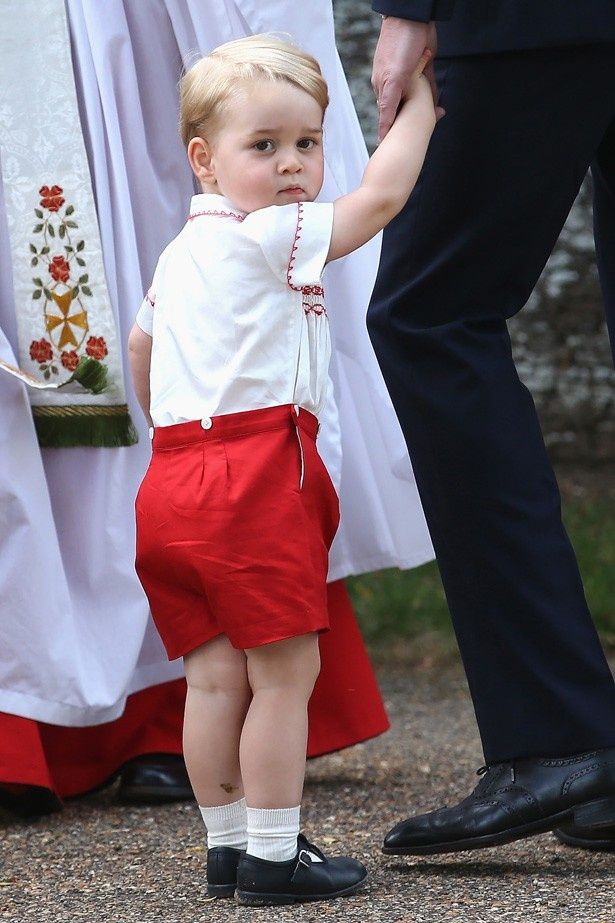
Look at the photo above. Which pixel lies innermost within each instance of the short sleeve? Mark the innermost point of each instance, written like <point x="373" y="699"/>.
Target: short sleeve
<point x="295" y="239"/>
<point x="145" y="314"/>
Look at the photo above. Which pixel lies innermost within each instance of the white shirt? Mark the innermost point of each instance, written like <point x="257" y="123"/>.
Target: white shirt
<point x="236" y="311"/>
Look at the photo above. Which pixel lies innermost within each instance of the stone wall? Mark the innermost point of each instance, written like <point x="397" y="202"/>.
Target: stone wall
<point x="560" y="339"/>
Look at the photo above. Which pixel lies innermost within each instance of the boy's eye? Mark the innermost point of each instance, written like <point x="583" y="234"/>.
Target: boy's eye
<point x="306" y="144"/>
<point x="264" y="145"/>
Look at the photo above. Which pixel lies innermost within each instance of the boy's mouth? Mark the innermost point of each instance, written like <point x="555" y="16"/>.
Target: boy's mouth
<point x="293" y="190"/>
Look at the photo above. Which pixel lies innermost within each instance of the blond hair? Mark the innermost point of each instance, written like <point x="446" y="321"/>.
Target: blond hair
<point x="215" y="80"/>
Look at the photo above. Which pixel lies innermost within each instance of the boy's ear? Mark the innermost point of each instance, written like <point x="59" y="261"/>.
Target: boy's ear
<point x="200" y="159"/>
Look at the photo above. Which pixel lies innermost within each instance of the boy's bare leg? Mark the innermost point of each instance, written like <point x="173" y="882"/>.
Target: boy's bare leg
<point x="274" y="739"/>
<point x="216" y="704"/>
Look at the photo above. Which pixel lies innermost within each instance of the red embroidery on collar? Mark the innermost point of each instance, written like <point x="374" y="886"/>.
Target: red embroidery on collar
<point x="217" y="214"/>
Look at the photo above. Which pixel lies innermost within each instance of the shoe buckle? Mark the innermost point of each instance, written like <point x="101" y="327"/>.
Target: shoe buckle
<point x="303" y="859"/>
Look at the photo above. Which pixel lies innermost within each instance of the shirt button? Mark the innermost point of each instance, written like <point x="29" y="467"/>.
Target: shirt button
<point x="151" y="432"/>
<point x="206" y="423"/>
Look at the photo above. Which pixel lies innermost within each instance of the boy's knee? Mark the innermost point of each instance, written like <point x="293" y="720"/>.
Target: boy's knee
<point x="292" y="665"/>
<point x="216" y="670"/>
<point x="219" y="682"/>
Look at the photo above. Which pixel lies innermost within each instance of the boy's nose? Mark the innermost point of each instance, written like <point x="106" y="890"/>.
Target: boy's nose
<point x="289" y="165"/>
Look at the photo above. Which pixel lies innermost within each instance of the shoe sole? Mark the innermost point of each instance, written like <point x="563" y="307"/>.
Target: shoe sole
<point x="594" y="814"/>
<point x="221" y="890"/>
<point x="581" y="843"/>
<point x="257" y="899"/>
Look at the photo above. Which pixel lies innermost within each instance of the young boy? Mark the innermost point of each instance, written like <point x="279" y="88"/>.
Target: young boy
<point x="236" y="513"/>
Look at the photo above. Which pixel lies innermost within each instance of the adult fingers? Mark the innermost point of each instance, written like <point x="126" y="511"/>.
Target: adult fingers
<point x="388" y="104"/>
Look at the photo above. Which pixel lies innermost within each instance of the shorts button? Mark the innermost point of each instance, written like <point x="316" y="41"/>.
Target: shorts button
<point x="296" y="408"/>
<point x="206" y="423"/>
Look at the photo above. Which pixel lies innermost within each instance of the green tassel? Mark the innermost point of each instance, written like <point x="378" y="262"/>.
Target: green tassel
<point x="98" y="431"/>
<point x="90" y="373"/>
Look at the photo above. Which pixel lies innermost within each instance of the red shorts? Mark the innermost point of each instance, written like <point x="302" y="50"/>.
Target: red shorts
<point x="234" y="526"/>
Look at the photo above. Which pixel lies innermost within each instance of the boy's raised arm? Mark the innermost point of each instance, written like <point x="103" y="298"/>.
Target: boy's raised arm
<point x="390" y="175"/>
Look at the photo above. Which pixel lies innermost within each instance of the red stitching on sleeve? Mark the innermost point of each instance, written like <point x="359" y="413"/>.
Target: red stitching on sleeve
<point x="291" y="261"/>
<point x="311" y="293"/>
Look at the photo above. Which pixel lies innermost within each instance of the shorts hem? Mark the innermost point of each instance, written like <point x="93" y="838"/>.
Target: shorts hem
<point x="242" y="643"/>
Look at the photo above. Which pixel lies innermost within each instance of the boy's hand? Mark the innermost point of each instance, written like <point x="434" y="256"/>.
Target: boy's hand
<point x="419" y="94"/>
<point x="419" y="72"/>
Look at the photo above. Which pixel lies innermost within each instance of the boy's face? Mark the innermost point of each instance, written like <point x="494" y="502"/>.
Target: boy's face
<point x="269" y="150"/>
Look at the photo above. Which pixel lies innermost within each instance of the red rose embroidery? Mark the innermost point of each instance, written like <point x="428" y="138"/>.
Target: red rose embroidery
<point x="51" y="198"/>
<point x="59" y="269"/>
<point x="70" y="360"/>
<point x="40" y="350"/>
<point x="96" y="347"/>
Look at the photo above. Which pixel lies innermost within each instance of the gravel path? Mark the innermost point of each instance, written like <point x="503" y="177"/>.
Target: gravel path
<point x="101" y="862"/>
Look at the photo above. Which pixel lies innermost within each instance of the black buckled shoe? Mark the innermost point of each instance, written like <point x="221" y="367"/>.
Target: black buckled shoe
<point x="222" y="862"/>
<point x="514" y="800"/>
<point x="261" y="882"/>
<point x="155" y="779"/>
<point x="600" y="839"/>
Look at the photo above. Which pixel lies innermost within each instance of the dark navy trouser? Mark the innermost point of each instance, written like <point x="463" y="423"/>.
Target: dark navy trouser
<point x="502" y="171"/>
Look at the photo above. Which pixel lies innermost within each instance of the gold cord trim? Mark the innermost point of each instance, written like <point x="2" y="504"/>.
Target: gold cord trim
<point x="85" y="410"/>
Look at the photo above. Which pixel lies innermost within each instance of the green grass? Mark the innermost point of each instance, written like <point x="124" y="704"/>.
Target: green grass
<point x="399" y="607"/>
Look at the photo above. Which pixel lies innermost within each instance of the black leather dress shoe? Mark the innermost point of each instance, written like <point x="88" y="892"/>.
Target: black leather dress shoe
<point x="514" y="800"/>
<point x="596" y="838"/>
<point x="222" y="862"/>
<point x="155" y="779"/>
<point x="261" y="882"/>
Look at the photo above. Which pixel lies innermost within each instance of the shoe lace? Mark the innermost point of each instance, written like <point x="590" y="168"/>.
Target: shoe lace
<point x="484" y="769"/>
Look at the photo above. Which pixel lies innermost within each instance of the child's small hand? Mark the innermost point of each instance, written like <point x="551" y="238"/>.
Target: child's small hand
<point x="419" y="82"/>
<point x="423" y="62"/>
<point x="419" y="88"/>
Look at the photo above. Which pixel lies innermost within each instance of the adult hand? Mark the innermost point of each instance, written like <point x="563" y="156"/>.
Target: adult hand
<point x="399" y="49"/>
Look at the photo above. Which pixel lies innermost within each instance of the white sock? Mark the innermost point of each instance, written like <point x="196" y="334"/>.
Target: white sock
<point x="226" y="825"/>
<point x="273" y="832"/>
